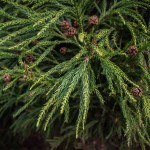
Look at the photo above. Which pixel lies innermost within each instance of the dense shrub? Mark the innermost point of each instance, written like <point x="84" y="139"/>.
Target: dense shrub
<point x="76" y="69"/>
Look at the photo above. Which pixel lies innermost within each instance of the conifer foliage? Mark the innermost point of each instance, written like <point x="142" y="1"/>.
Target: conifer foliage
<point x="66" y="61"/>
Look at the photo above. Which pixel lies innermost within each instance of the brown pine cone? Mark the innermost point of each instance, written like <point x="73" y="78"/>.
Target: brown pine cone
<point x="132" y="51"/>
<point x="63" y="50"/>
<point x="136" y="91"/>
<point x="30" y="58"/>
<point x="76" y="24"/>
<point x="93" y="20"/>
<point x="65" y="25"/>
<point x="71" y="32"/>
<point x="7" y="77"/>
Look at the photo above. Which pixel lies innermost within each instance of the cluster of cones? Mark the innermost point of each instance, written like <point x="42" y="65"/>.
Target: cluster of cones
<point x="29" y="59"/>
<point x="70" y="31"/>
<point x="132" y="51"/>
<point x="67" y="29"/>
<point x="136" y="91"/>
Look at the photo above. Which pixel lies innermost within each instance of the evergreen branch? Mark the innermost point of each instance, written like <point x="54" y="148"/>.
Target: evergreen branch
<point x="60" y="67"/>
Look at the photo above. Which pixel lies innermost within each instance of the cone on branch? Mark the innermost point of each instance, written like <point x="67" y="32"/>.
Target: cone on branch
<point x="75" y="24"/>
<point x="132" y="51"/>
<point x="63" y="50"/>
<point x="136" y="91"/>
<point x="30" y="58"/>
<point x="93" y="20"/>
<point x="7" y="77"/>
<point x="71" y="32"/>
<point x="65" y="25"/>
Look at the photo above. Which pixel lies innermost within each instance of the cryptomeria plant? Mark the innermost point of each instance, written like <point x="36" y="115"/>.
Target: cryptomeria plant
<point x="70" y="60"/>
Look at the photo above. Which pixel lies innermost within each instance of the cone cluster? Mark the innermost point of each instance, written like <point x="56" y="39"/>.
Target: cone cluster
<point x="136" y="91"/>
<point x="7" y="77"/>
<point x="30" y="58"/>
<point x="132" y="51"/>
<point x="76" y="24"/>
<point x="93" y="20"/>
<point x="65" y="25"/>
<point x="67" y="29"/>
<point x="63" y="50"/>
